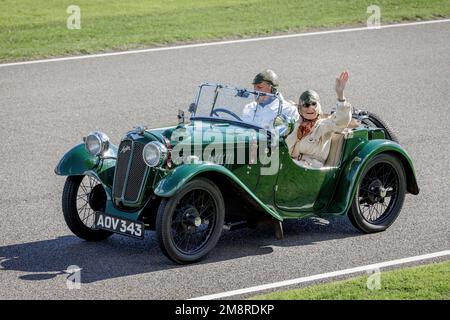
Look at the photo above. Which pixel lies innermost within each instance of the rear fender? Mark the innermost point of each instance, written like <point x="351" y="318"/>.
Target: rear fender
<point x="352" y="170"/>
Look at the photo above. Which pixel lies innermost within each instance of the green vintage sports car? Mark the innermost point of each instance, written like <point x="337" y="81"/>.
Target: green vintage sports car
<point x="215" y="172"/>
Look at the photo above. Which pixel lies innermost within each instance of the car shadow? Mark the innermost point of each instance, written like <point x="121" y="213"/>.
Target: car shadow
<point x="120" y="256"/>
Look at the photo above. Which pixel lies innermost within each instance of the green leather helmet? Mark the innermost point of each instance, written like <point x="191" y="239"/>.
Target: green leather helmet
<point x="309" y="96"/>
<point x="268" y="76"/>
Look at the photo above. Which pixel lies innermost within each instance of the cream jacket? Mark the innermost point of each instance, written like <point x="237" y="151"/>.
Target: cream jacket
<point x="313" y="149"/>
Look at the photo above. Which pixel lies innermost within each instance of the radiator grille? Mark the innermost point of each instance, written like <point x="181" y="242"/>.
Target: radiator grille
<point x="130" y="171"/>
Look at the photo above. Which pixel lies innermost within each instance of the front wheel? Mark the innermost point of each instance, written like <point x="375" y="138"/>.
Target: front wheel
<point x="82" y="196"/>
<point x="189" y="224"/>
<point x="380" y="194"/>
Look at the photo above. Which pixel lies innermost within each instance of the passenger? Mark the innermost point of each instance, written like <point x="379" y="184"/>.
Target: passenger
<point x="309" y="143"/>
<point x="263" y="111"/>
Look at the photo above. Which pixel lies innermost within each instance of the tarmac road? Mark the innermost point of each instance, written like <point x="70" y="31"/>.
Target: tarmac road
<point x="400" y="73"/>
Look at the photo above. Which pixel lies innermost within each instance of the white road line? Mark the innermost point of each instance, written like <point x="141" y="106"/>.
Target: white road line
<point x="323" y="276"/>
<point x="219" y="43"/>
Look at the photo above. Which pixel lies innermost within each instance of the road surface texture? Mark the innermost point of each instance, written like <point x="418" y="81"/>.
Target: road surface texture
<point x="46" y="108"/>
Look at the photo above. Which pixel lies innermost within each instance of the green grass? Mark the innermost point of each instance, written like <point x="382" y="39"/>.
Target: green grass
<point x="32" y="29"/>
<point x="423" y="282"/>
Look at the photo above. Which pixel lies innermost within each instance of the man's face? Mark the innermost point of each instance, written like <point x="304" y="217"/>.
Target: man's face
<point x="263" y="87"/>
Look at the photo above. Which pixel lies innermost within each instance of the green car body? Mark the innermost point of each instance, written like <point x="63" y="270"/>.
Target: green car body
<point x="250" y="171"/>
<point x="294" y="192"/>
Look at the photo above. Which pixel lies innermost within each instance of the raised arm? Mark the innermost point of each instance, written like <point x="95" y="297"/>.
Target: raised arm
<point x="343" y="115"/>
<point x="341" y="82"/>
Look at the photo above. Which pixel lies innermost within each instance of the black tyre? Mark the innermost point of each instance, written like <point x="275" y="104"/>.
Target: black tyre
<point x="189" y="224"/>
<point x="380" y="194"/>
<point x="82" y="196"/>
<point x="375" y="120"/>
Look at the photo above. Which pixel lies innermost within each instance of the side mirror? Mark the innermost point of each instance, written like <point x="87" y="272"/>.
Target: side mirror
<point x="180" y="116"/>
<point x="192" y="108"/>
<point x="242" y="93"/>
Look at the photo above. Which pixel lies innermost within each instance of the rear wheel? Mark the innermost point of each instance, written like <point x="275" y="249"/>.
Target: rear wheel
<point x="375" y="121"/>
<point x="82" y="196"/>
<point x="189" y="224"/>
<point x="380" y="194"/>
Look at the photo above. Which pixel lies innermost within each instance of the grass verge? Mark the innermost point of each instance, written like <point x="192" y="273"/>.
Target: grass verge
<point x="422" y="282"/>
<point x="32" y="29"/>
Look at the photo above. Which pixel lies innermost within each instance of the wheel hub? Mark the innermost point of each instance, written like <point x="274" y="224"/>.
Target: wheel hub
<point x="97" y="198"/>
<point x="377" y="192"/>
<point x="191" y="218"/>
<point x="383" y="192"/>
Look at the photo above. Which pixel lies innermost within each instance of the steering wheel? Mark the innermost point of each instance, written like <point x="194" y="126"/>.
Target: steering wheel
<point x="231" y="113"/>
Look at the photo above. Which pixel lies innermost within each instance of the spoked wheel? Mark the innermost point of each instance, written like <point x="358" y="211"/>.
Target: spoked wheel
<point x="82" y="196"/>
<point x="189" y="224"/>
<point x="380" y="194"/>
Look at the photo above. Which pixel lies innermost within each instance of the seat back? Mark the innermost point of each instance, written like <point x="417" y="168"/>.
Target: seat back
<point x="336" y="146"/>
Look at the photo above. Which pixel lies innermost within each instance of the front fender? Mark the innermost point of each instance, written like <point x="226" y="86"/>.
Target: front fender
<point x="77" y="161"/>
<point x="351" y="172"/>
<point x="178" y="177"/>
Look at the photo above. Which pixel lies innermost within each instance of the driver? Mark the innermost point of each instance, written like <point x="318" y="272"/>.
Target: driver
<point x="263" y="111"/>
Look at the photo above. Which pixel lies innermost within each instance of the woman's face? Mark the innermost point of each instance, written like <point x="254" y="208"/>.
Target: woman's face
<point x="308" y="110"/>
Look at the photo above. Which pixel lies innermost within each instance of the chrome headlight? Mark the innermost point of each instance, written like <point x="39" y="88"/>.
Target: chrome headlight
<point x="155" y="154"/>
<point x="96" y="143"/>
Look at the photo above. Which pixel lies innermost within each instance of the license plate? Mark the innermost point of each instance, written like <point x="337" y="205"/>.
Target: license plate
<point x="119" y="225"/>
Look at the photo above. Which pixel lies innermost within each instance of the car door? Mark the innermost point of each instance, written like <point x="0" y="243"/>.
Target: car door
<point x="300" y="189"/>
